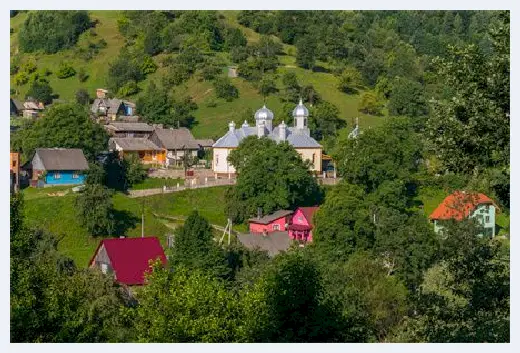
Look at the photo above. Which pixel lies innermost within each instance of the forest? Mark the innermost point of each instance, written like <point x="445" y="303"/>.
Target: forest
<point x="438" y="83"/>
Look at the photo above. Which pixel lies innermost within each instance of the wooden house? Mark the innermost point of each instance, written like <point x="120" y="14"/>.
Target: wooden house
<point x="301" y="223"/>
<point x="129" y="129"/>
<point x="147" y="151"/>
<point x="274" y="222"/>
<point x="127" y="259"/>
<point x="461" y="205"/>
<point x="58" y="166"/>
<point x="176" y="142"/>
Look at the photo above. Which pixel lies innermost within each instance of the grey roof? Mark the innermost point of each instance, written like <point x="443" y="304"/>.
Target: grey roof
<point x="124" y="126"/>
<point x="264" y="113"/>
<point x="176" y="138"/>
<point x="298" y="138"/>
<point x="129" y="104"/>
<point x="205" y="142"/>
<point x="271" y="217"/>
<point x="112" y="104"/>
<point x="273" y="243"/>
<point x="62" y="158"/>
<point x="19" y="106"/>
<point x="133" y="144"/>
<point x="300" y="110"/>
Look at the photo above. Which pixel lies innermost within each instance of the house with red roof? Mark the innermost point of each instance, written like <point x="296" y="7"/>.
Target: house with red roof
<point x="301" y="223"/>
<point x="461" y="205"/>
<point x="127" y="259"/>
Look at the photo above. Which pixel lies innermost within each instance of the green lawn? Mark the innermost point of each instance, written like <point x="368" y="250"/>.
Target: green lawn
<point x="57" y="215"/>
<point x="155" y="183"/>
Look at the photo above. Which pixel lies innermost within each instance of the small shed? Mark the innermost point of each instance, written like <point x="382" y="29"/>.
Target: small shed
<point x="232" y="71"/>
<point x="274" y="222"/>
<point x="128" y="259"/>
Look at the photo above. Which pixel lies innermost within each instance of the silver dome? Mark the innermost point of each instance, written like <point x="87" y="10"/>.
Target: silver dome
<point x="300" y="110"/>
<point x="264" y="114"/>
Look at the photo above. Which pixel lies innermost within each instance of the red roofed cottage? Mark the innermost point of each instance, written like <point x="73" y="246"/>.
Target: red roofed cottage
<point x="127" y="258"/>
<point x="461" y="205"/>
<point x="301" y="224"/>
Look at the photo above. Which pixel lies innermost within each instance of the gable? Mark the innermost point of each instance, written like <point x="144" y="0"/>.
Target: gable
<point x="37" y="163"/>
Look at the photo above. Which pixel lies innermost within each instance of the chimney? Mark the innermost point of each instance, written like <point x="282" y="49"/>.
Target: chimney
<point x="232" y="126"/>
<point x="100" y="93"/>
<point x="283" y="131"/>
<point x="261" y="129"/>
<point x="259" y="212"/>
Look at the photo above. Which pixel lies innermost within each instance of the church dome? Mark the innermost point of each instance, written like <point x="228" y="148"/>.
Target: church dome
<point x="264" y="114"/>
<point x="300" y="110"/>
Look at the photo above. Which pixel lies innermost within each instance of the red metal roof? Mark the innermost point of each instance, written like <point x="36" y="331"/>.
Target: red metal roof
<point x="130" y="257"/>
<point x="459" y="205"/>
<point x="308" y="212"/>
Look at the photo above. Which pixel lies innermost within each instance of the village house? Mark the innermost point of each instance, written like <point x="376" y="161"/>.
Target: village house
<point x="274" y="222"/>
<point x="126" y="129"/>
<point x="58" y="166"/>
<point x="147" y="151"/>
<point x="17" y="108"/>
<point x="461" y="205"/>
<point x="111" y="108"/>
<point x="14" y="165"/>
<point x="301" y="223"/>
<point x="177" y="142"/>
<point x="127" y="259"/>
<point x="298" y="136"/>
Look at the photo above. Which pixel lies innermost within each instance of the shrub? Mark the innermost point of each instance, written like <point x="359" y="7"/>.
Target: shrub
<point x="65" y="71"/>
<point x="370" y="104"/>
<point x="225" y="89"/>
<point x="21" y="78"/>
<point x="148" y="66"/>
<point x="13" y="69"/>
<point x="29" y="66"/>
<point x="349" y="80"/>
<point x="128" y="89"/>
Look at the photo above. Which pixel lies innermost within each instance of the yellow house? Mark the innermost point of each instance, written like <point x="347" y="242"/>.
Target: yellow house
<point x="298" y="136"/>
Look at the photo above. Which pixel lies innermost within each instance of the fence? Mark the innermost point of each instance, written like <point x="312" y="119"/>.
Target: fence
<point x="188" y="184"/>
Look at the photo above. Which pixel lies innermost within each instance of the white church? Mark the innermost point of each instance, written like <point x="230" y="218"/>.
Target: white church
<point x="298" y="136"/>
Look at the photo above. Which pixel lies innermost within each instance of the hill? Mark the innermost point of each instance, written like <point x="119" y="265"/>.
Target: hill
<point x="213" y="114"/>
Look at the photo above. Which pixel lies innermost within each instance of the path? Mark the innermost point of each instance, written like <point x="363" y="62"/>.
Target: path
<point x="182" y="218"/>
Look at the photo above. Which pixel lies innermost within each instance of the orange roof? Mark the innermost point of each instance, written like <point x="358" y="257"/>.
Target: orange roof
<point x="459" y="205"/>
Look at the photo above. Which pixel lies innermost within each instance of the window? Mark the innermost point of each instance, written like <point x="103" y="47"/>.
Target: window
<point x="487" y="219"/>
<point x="75" y="175"/>
<point x="276" y="227"/>
<point x="313" y="157"/>
<point x="300" y="218"/>
<point x="216" y="160"/>
<point x="14" y="164"/>
<point x="104" y="268"/>
<point x="57" y="176"/>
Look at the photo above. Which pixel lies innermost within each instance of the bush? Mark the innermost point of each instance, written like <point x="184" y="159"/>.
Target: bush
<point x="177" y="74"/>
<point x="21" y="78"/>
<point x="128" y="89"/>
<point x="225" y="89"/>
<point x="13" y="69"/>
<point x="370" y="104"/>
<point x="41" y="91"/>
<point x="29" y="66"/>
<point x="52" y="31"/>
<point x="148" y="66"/>
<point x="65" y="71"/>
<point x="349" y="80"/>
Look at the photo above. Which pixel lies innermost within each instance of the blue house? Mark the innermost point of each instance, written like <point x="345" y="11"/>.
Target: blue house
<point x="59" y="166"/>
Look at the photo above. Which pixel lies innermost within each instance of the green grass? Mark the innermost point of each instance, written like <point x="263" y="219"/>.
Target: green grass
<point x="155" y="183"/>
<point x="212" y="122"/>
<point x="58" y="215"/>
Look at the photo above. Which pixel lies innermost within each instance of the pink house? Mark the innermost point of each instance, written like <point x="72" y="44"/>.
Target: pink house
<point x="276" y="222"/>
<point x="301" y="224"/>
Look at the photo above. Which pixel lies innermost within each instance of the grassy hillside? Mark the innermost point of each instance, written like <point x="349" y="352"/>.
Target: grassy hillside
<point x="42" y="210"/>
<point x="212" y="121"/>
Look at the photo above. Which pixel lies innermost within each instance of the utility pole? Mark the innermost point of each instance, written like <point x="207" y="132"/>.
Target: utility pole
<point x="142" y="220"/>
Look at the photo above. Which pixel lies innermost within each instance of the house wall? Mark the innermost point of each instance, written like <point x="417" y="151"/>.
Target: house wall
<point x="306" y="154"/>
<point x="260" y="228"/>
<point x="147" y="157"/>
<point x="220" y="163"/>
<point x="480" y="213"/>
<point x="101" y="259"/>
<point x="299" y="218"/>
<point x="64" y="177"/>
